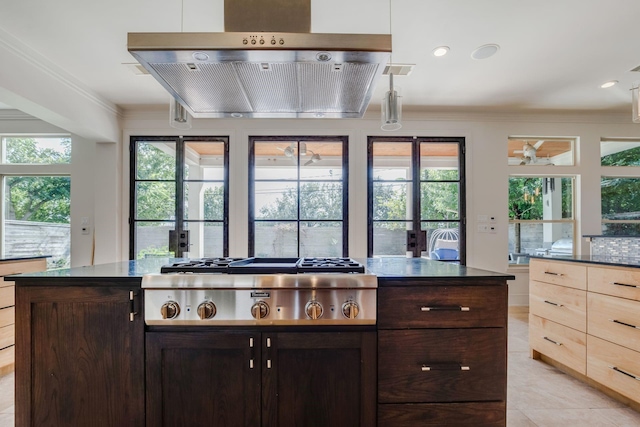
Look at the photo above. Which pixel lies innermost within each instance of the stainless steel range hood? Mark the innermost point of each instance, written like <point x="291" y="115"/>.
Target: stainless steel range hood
<point x="265" y="74"/>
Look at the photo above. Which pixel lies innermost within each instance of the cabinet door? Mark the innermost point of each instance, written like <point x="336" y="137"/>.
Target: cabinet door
<point x="203" y="379"/>
<point x="319" y="379"/>
<point x="79" y="357"/>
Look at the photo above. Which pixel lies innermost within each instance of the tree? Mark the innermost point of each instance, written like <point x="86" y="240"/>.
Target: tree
<point x="318" y="200"/>
<point x="155" y="200"/>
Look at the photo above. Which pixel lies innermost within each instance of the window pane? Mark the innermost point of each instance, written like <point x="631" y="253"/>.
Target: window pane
<point x="322" y="239"/>
<point x="321" y="200"/>
<point x="152" y="239"/>
<point x="321" y="160"/>
<point x="443" y="240"/>
<point x="540" y="151"/>
<point x="390" y="238"/>
<point x="276" y="239"/>
<point x="620" y="229"/>
<point x="276" y="160"/>
<point x="537" y="198"/>
<point x="438" y="161"/>
<point x="439" y="200"/>
<point x="37" y="217"/>
<point x="527" y="239"/>
<point x="204" y="160"/>
<point x="390" y="201"/>
<point x="204" y="201"/>
<point x="620" y="198"/>
<point x="275" y="200"/>
<point x="619" y="153"/>
<point x="155" y="200"/>
<point x="205" y="239"/>
<point x="156" y="160"/>
<point x="392" y="160"/>
<point x="37" y="150"/>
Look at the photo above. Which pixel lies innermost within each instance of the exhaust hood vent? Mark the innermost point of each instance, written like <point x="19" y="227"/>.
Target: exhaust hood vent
<point x="265" y="74"/>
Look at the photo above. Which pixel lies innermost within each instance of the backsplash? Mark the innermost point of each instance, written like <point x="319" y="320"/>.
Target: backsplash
<point x="622" y="246"/>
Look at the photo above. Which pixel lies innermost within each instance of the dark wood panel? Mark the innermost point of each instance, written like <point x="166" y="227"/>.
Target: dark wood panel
<point x="402" y="354"/>
<point x="80" y="359"/>
<point x="319" y="379"/>
<point x="402" y="307"/>
<point x="203" y="378"/>
<point x="486" y="414"/>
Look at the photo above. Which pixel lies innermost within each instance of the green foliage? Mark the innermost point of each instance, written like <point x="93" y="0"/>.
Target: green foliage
<point x="153" y="251"/>
<point x="155" y="200"/>
<point x="620" y="198"/>
<point x="318" y="200"/>
<point x="523" y="201"/>
<point x="439" y="200"/>
<point x="623" y="158"/>
<point x="213" y="199"/>
<point x="153" y="163"/>
<point x="27" y="151"/>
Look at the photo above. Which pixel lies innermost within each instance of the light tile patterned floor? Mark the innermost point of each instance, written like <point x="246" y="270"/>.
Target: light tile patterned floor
<point x="538" y="394"/>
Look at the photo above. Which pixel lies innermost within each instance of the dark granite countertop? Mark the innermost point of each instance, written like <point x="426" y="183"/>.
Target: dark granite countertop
<point x="391" y="268"/>
<point x="612" y="260"/>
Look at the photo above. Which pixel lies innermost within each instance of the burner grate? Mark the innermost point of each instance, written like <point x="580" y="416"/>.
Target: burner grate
<point x="329" y="265"/>
<point x="202" y="265"/>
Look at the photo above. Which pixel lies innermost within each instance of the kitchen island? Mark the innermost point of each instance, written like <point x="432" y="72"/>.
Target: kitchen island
<point x="437" y="354"/>
<point x="585" y="320"/>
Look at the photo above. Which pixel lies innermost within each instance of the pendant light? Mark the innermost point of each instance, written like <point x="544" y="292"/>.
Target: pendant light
<point x="635" y="103"/>
<point x="391" y="108"/>
<point x="179" y="118"/>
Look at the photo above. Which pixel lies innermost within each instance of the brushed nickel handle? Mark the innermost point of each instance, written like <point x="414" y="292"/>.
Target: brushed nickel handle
<point x="250" y="363"/>
<point x="444" y="367"/>
<point x="635" y="377"/>
<point x="132" y="310"/>
<point x="554" y="274"/>
<point x="552" y="341"/>
<point x="624" y="284"/>
<point x="268" y="363"/>
<point x="624" y="324"/>
<point x="446" y="308"/>
<point x="554" y="303"/>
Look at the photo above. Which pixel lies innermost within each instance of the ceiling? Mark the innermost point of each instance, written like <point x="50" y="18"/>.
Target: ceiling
<point x="553" y="54"/>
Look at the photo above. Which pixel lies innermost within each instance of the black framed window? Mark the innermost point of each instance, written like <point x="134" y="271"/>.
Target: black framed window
<point x="298" y="204"/>
<point x="179" y="197"/>
<point x="416" y="194"/>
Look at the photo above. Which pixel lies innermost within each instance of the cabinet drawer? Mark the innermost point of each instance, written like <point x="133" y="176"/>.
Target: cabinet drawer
<point x="619" y="282"/>
<point x="442" y="307"/>
<point x="566" y="306"/>
<point x="442" y="365"/>
<point x="7" y="316"/>
<point x="615" y="319"/>
<point x="7" y="294"/>
<point x="7" y="336"/>
<point x="614" y="366"/>
<point x="558" y="342"/>
<point x="442" y="414"/>
<point x="569" y="274"/>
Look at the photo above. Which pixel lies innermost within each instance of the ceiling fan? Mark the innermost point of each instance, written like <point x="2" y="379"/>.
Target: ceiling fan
<point x="529" y="152"/>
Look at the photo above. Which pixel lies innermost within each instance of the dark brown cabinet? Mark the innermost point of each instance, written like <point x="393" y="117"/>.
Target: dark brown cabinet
<point x="442" y="353"/>
<point x="279" y="379"/>
<point x="79" y="356"/>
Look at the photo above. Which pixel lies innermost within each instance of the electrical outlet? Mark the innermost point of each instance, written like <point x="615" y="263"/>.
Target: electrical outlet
<point x="86" y="229"/>
<point x="483" y="228"/>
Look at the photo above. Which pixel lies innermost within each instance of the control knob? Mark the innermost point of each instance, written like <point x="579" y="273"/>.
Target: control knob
<point x="206" y="310"/>
<point x="313" y="310"/>
<point x="350" y="309"/>
<point x="260" y="310"/>
<point x="170" y="310"/>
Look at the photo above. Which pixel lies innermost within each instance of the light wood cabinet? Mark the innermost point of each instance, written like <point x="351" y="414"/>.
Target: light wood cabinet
<point x="7" y="306"/>
<point x="598" y="332"/>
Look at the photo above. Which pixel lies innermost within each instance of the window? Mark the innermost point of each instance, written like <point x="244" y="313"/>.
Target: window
<point x="615" y="152"/>
<point x="179" y="197"/>
<point x="416" y="197"/>
<point x="541" y="219"/>
<point x="532" y="151"/>
<point x="298" y="202"/>
<point x="620" y="198"/>
<point x="37" y="199"/>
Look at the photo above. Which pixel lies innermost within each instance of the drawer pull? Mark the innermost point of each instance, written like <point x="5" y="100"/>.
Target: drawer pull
<point x="623" y="324"/>
<point x="635" y="377"/>
<point x="445" y="367"/>
<point x="554" y="274"/>
<point x="553" y="303"/>
<point x="446" y="308"/>
<point x="624" y="284"/>
<point x="552" y="341"/>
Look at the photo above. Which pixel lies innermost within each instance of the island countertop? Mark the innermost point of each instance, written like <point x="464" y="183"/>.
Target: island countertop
<point x="387" y="269"/>
<point x="612" y="260"/>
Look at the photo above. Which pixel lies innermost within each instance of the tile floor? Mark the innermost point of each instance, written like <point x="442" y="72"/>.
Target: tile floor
<point x="538" y="394"/>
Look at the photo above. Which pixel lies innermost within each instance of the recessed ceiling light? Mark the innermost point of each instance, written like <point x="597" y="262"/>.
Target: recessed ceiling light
<point x="485" y="51"/>
<point x="441" y="51"/>
<point x="608" y="84"/>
